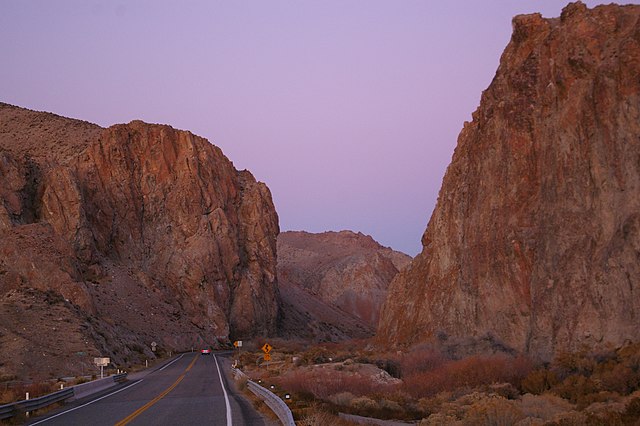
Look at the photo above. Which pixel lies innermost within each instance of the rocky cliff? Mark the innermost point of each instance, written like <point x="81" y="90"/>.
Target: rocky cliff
<point x="139" y="232"/>
<point x="339" y="279"/>
<point x="535" y="238"/>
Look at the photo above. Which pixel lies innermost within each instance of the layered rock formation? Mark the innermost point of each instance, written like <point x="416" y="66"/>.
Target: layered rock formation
<point x="535" y="238"/>
<point x="147" y="233"/>
<point x="333" y="284"/>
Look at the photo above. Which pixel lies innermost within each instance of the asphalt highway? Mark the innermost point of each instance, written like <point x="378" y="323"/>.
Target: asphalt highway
<point x="188" y="390"/>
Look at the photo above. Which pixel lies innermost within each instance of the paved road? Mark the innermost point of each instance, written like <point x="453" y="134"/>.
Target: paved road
<point x="186" y="391"/>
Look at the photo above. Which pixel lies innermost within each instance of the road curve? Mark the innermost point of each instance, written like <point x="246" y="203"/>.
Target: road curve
<point x="188" y="390"/>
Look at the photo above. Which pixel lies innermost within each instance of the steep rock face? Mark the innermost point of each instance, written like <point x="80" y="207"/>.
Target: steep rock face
<point x="345" y="270"/>
<point x="171" y="205"/>
<point x="145" y="233"/>
<point x="535" y="238"/>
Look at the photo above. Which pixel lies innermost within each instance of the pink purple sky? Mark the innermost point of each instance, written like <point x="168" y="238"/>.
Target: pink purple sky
<point x="349" y="110"/>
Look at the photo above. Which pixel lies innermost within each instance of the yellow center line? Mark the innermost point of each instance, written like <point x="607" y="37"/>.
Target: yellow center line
<point x="149" y="404"/>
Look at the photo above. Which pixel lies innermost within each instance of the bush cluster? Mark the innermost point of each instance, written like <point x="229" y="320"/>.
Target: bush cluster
<point x="586" y="377"/>
<point x="431" y="375"/>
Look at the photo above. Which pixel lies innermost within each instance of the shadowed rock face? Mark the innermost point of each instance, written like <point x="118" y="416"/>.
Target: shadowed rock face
<point x="149" y="229"/>
<point x="535" y="238"/>
<point x="344" y="270"/>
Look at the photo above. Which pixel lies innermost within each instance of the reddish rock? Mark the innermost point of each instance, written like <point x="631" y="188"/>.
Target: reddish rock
<point x="343" y="275"/>
<point x="147" y="229"/>
<point x="535" y="238"/>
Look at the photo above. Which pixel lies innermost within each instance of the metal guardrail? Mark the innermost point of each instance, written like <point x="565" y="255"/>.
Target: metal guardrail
<point x="273" y="401"/>
<point x="26" y="405"/>
<point x="119" y="378"/>
<point x="13" y="409"/>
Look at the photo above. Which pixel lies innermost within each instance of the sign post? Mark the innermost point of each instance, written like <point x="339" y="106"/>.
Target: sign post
<point x="101" y="362"/>
<point x="237" y="344"/>
<point x="266" y="349"/>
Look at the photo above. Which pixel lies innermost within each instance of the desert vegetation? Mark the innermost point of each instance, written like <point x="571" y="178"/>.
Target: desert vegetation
<point x="432" y="384"/>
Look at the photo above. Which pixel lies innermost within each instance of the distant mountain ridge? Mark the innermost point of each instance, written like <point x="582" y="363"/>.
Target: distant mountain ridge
<point x="339" y="278"/>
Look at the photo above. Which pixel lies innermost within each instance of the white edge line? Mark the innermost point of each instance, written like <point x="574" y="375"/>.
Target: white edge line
<point x="171" y="362"/>
<point x="113" y="393"/>
<point x="226" y="397"/>
<point x="88" y="403"/>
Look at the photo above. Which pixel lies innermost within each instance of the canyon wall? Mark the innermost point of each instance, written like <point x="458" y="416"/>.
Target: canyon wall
<point x="535" y="238"/>
<point x="145" y="233"/>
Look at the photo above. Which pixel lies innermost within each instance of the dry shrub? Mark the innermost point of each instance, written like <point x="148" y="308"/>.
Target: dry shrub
<point x="364" y="403"/>
<point x="544" y="407"/>
<point x="539" y="381"/>
<point x="475" y="409"/>
<point x="389" y="405"/>
<point x="434" y="404"/>
<point x="324" y="382"/>
<point x="420" y="359"/>
<point x="7" y="396"/>
<point x="575" y="363"/>
<point x="382" y="409"/>
<point x="576" y="388"/>
<point x="315" y="355"/>
<point x="342" y="399"/>
<point x="469" y="372"/>
<point x="632" y="411"/>
<point x="505" y="390"/>
<point x="605" y="408"/>
<point x="586" y="377"/>
<point x="439" y="419"/>
<point x="570" y="418"/>
<point x="619" y="378"/>
<point x="493" y="411"/>
<point x="247" y="358"/>
<point x="318" y="417"/>
<point x="630" y="356"/>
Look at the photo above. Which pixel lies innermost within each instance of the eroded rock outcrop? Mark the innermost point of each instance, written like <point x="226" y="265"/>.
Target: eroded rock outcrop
<point x="148" y="230"/>
<point x="535" y="238"/>
<point x="339" y="278"/>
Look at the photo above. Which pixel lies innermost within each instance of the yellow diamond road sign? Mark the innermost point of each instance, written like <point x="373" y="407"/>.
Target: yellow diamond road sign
<point x="266" y="348"/>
